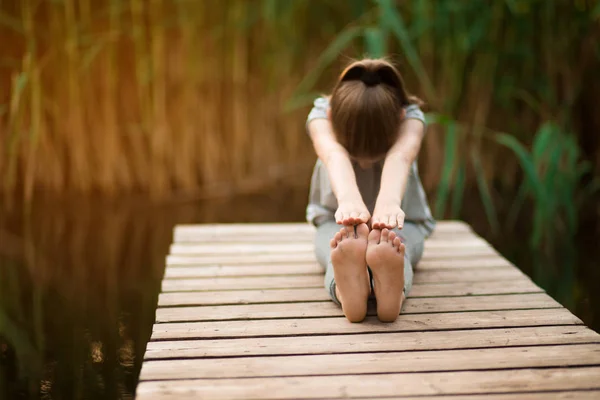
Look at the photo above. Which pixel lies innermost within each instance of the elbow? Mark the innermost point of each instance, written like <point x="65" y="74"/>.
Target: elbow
<point x="335" y="155"/>
<point x="401" y="157"/>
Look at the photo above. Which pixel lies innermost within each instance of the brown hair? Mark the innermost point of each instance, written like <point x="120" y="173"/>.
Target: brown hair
<point x="366" y="107"/>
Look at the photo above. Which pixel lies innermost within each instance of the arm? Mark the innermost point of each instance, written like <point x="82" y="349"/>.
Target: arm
<point x="394" y="177"/>
<point x="351" y="208"/>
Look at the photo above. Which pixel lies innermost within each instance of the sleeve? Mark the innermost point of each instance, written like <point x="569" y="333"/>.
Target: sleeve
<point x="414" y="112"/>
<point x="319" y="110"/>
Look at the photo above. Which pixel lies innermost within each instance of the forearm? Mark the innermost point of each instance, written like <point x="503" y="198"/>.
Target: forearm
<point x="394" y="178"/>
<point x="398" y="162"/>
<point x="342" y="177"/>
<point x="336" y="161"/>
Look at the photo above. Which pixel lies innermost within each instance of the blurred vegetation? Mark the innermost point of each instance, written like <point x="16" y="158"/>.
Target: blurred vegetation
<point x="186" y="99"/>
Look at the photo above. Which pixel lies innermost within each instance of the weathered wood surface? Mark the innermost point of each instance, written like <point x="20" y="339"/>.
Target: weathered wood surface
<point x="243" y="315"/>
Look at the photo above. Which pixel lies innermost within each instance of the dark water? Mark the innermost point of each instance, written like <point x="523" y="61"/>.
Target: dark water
<point x="79" y="286"/>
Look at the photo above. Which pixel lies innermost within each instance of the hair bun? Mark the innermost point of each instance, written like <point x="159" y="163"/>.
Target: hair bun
<point x="370" y="78"/>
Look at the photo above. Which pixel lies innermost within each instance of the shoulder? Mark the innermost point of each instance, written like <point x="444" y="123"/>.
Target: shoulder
<point x="413" y="111"/>
<point x="319" y="109"/>
<point x="321" y="102"/>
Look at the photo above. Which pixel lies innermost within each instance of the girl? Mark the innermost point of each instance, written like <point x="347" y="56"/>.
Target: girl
<point x="367" y="135"/>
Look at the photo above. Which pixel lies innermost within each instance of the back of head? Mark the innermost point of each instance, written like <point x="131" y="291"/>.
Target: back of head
<point x="366" y="108"/>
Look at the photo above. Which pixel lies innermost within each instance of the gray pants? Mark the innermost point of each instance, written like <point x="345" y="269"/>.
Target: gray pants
<point x="414" y="238"/>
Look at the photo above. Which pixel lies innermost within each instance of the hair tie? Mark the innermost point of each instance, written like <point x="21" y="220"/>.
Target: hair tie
<point x="360" y="73"/>
<point x="370" y="78"/>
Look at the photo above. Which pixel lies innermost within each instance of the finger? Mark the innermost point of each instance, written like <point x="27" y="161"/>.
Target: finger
<point x="400" y="221"/>
<point x="364" y="217"/>
<point x="351" y="220"/>
<point x="345" y="218"/>
<point x="389" y="222"/>
<point x="377" y="223"/>
<point x="338" y="217"/>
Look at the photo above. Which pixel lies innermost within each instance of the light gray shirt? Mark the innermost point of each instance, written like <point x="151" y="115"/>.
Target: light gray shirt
<point x="323" y="204"/>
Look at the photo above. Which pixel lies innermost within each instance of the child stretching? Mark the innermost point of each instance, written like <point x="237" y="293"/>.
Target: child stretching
<point x="367" y="135"/>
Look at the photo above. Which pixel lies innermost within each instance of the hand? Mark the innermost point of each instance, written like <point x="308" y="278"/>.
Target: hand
<point x="352" y="213"/>
<point x="387" y="216"/>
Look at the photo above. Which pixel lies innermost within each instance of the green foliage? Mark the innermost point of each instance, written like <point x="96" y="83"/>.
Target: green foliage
<point x="554" y="172"/>
<point x="486" y="59"/>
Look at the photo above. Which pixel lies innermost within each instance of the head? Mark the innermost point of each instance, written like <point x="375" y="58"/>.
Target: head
<point x="367" y="108"/>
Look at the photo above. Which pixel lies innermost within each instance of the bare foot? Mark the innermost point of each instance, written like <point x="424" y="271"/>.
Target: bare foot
<point x="385" y="257"/>
<point x="350" y="270"/>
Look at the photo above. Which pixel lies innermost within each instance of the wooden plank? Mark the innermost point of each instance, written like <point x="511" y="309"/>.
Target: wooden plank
<point x="365" y="363"/>
<point x="464" y="263"/>
<point x="206" y="271"/>
<point x="422" y="275"/>
<point x="473" y="288"/>
<point x="256" y="296"/>
<point x="261" y="258"/>
<point x="294" y="237"/>
<point x="469" y="275"/>
<point x="337" y="325"/>
<point x="240" y="259"/>
<point x="373" y="342"/>
<point x="455" y="288"/>
<point x="329" y="309"/>
<point x="274" y="247"/>
<point x="370" y="386"/>
<point x="438" y="239"/>
<point x="555" y="395"/>
<point x="283" y="227"/>
<point x="244" y="248"/>
<point x="240" y="283"/>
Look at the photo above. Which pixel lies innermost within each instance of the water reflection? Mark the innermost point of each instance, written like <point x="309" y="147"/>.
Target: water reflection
<point x="79" y="286"/>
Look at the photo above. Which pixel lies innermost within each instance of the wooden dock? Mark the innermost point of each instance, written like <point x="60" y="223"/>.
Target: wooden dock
<point x="243" y="315"/>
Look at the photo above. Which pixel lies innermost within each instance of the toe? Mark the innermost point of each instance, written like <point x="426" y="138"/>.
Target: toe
<point x="401" y="247"/>
<point x="397" y="242"/>
<point x="333" y="243"/>
<point x="343" y="233"/>
<point x="362" y="231"/>
<point x="349" y="231"/>
<point x="374" y="236"/>
<point x="391" y="237"/>
<point x="337" y="237"/>
<point x="384" y="235"/>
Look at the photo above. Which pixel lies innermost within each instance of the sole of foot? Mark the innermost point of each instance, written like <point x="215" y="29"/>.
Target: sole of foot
<point x="385" y="257"/>
<point x="350" y="270"/>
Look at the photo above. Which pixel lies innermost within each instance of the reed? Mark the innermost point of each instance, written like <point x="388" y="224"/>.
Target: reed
<point x="182" y="98"/>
